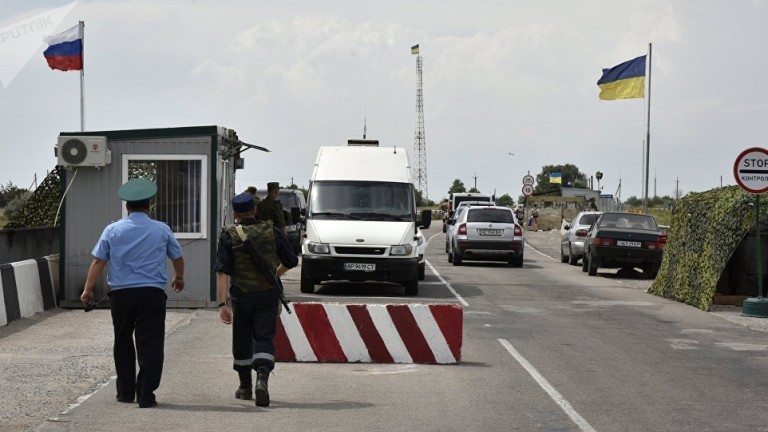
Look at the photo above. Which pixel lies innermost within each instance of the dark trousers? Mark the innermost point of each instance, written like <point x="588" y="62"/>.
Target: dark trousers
<point x="253" y="329"/>
<point x="140" y="311"/>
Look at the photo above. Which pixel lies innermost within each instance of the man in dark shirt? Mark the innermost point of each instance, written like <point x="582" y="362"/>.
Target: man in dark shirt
<point x="253" y="304"/>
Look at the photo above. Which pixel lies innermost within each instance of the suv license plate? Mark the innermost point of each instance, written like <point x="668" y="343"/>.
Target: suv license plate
<point x="359" y="267"/>
<point x="489" y="232"/>
<point x="627" y="243"/>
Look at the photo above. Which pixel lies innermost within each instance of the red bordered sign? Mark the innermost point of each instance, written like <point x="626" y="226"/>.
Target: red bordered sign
<point x="751" y="170"/>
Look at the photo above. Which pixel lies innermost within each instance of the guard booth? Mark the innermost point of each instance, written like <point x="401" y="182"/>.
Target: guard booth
<point x="194" y="168"/>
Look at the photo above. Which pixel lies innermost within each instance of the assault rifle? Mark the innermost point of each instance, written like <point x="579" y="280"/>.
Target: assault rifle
<point x="261" y="265"/>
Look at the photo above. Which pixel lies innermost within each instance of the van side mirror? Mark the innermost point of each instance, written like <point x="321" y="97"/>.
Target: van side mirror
<point x="295" y="214"/>
<point x="426" y="218"/>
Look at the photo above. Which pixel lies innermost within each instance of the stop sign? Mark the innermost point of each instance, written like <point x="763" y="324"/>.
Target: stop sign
<point x="751" y="170"/>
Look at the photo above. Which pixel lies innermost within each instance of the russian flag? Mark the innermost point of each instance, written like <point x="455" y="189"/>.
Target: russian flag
<point x="65" y="50"/>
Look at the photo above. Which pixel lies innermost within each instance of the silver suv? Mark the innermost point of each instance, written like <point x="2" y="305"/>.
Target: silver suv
<point x="486" y="233"/>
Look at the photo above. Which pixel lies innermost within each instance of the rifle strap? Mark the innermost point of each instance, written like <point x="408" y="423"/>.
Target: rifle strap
<point x="241" y="233"/>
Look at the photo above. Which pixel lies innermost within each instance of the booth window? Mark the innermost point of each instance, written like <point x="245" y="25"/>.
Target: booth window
<point x="181" y="189"/>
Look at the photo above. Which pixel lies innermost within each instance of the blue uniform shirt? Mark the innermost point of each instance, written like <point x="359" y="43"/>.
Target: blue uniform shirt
<point x="136" y="248"/>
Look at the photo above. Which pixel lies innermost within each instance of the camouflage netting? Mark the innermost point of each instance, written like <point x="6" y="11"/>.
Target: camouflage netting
<point x="706" y="229"/>
<point x="40" y="208"/>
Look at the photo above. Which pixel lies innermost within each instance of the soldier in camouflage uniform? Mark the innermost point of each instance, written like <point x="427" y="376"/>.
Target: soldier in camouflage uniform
<point x="252" y="306"/>
<point x="251" y="190"/>
<point x="270" y="208"/>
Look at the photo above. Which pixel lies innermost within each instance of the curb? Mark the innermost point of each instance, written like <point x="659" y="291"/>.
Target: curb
<point x="370" y="333"/>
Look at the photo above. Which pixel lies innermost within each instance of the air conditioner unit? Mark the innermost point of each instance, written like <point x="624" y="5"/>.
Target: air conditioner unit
<point x="78" y="151"/>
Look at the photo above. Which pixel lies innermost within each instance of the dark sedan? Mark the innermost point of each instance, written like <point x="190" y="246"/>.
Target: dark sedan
<point x="624" y="240"/>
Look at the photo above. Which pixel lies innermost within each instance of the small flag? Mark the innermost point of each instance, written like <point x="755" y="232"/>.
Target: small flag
<point x="625" y="81"/>
<point x="556" y="177"/>
<point x="65" y="50"/>
<point x="415" y="49"/>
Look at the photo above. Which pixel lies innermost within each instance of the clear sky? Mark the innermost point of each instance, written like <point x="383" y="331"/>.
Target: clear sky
<point x="500" y="77"/>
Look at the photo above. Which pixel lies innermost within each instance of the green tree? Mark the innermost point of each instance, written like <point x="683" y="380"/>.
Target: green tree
<point x="505" y="200"/>
<point x="457" y="187"/>
<point x="570" y="177"/>
<point x="10" y="192"/>
<point x="474" y="190"/>
<point x="634" y="201"/>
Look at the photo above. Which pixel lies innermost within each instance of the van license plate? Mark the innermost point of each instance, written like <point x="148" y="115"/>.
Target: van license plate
<point x="626" y="243"/>
<point x="359" y="267"/>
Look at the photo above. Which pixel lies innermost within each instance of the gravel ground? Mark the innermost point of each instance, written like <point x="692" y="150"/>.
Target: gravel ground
<point x="548" y="243"/>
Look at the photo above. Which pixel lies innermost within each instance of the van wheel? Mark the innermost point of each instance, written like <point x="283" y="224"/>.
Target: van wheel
<point x="307" y="285"/>
<point x="422" y="270"/>
<point x="412" y="287"/>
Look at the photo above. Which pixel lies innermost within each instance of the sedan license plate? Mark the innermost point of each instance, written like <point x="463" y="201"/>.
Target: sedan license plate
<point x="359" y="267"/>
<point x="627" y="243"/>
<point x="489" y="232"/>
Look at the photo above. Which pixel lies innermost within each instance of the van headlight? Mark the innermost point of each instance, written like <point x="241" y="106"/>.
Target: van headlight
<point x="318" y="248"/>
<point x="401" y="250"/>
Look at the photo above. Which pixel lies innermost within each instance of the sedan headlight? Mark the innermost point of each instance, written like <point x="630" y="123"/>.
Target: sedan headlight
<point x="319" y="248"/>
<point x="401" y="250"/>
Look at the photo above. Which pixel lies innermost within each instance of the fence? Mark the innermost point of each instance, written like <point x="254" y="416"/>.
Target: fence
<point x="19" y="244"/>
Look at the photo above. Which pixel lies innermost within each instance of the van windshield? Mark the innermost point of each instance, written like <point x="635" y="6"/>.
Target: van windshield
<point x="362" y="200"/>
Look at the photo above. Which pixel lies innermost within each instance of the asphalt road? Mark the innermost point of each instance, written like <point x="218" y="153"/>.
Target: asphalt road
<point x="546" y="348"/>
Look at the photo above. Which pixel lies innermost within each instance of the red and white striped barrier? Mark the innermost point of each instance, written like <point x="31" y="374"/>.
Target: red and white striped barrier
<point x="370" y="333"/>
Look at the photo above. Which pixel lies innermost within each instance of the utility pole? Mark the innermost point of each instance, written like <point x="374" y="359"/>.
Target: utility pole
<point x="677" y="188"/>
<point x="419" y="141"/>
<point x="475" y="180"/>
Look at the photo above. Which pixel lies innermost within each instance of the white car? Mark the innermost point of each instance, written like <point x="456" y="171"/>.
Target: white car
<point x="572" y="242"/>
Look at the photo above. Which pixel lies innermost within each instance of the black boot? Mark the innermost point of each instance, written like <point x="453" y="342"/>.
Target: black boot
<point x="244" y="391"/>
<point x="262" y="387"/>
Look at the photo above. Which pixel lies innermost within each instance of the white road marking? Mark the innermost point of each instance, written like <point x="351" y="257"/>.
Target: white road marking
<point x="448" y="285"/>
<point x="683" y="344"/>
<point x="528" y="246"/>
<point x="611" y="303"/>
<point x="551" y="391"/>
<point x="742" y="346"/>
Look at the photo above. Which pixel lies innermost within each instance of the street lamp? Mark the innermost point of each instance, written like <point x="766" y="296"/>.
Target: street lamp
<point x="598" y="176"/>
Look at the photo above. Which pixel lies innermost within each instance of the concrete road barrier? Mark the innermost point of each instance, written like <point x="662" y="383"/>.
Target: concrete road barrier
<point x="370" y="333"/>
<point x="27" y="287"/>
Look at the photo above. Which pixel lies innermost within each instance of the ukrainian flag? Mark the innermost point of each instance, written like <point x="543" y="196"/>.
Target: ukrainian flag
<point x="556" y="177"/>
<point x="415" y="49"/>
<point x="625" y="81"/>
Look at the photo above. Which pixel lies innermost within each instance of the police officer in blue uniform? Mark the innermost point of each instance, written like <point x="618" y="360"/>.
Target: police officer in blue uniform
<point x="253" y="304"/>
<point x="135" y="248"/>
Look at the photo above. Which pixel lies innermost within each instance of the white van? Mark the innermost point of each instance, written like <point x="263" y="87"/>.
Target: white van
<point x="361" y="217"/>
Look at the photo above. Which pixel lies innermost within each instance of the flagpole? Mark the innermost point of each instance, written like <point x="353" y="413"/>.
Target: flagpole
<point x="82" y="78"/>
<point x="648" y="132"/>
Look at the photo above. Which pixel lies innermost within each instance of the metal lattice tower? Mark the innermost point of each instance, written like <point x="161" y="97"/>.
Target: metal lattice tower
<point x="419" y="141"/>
